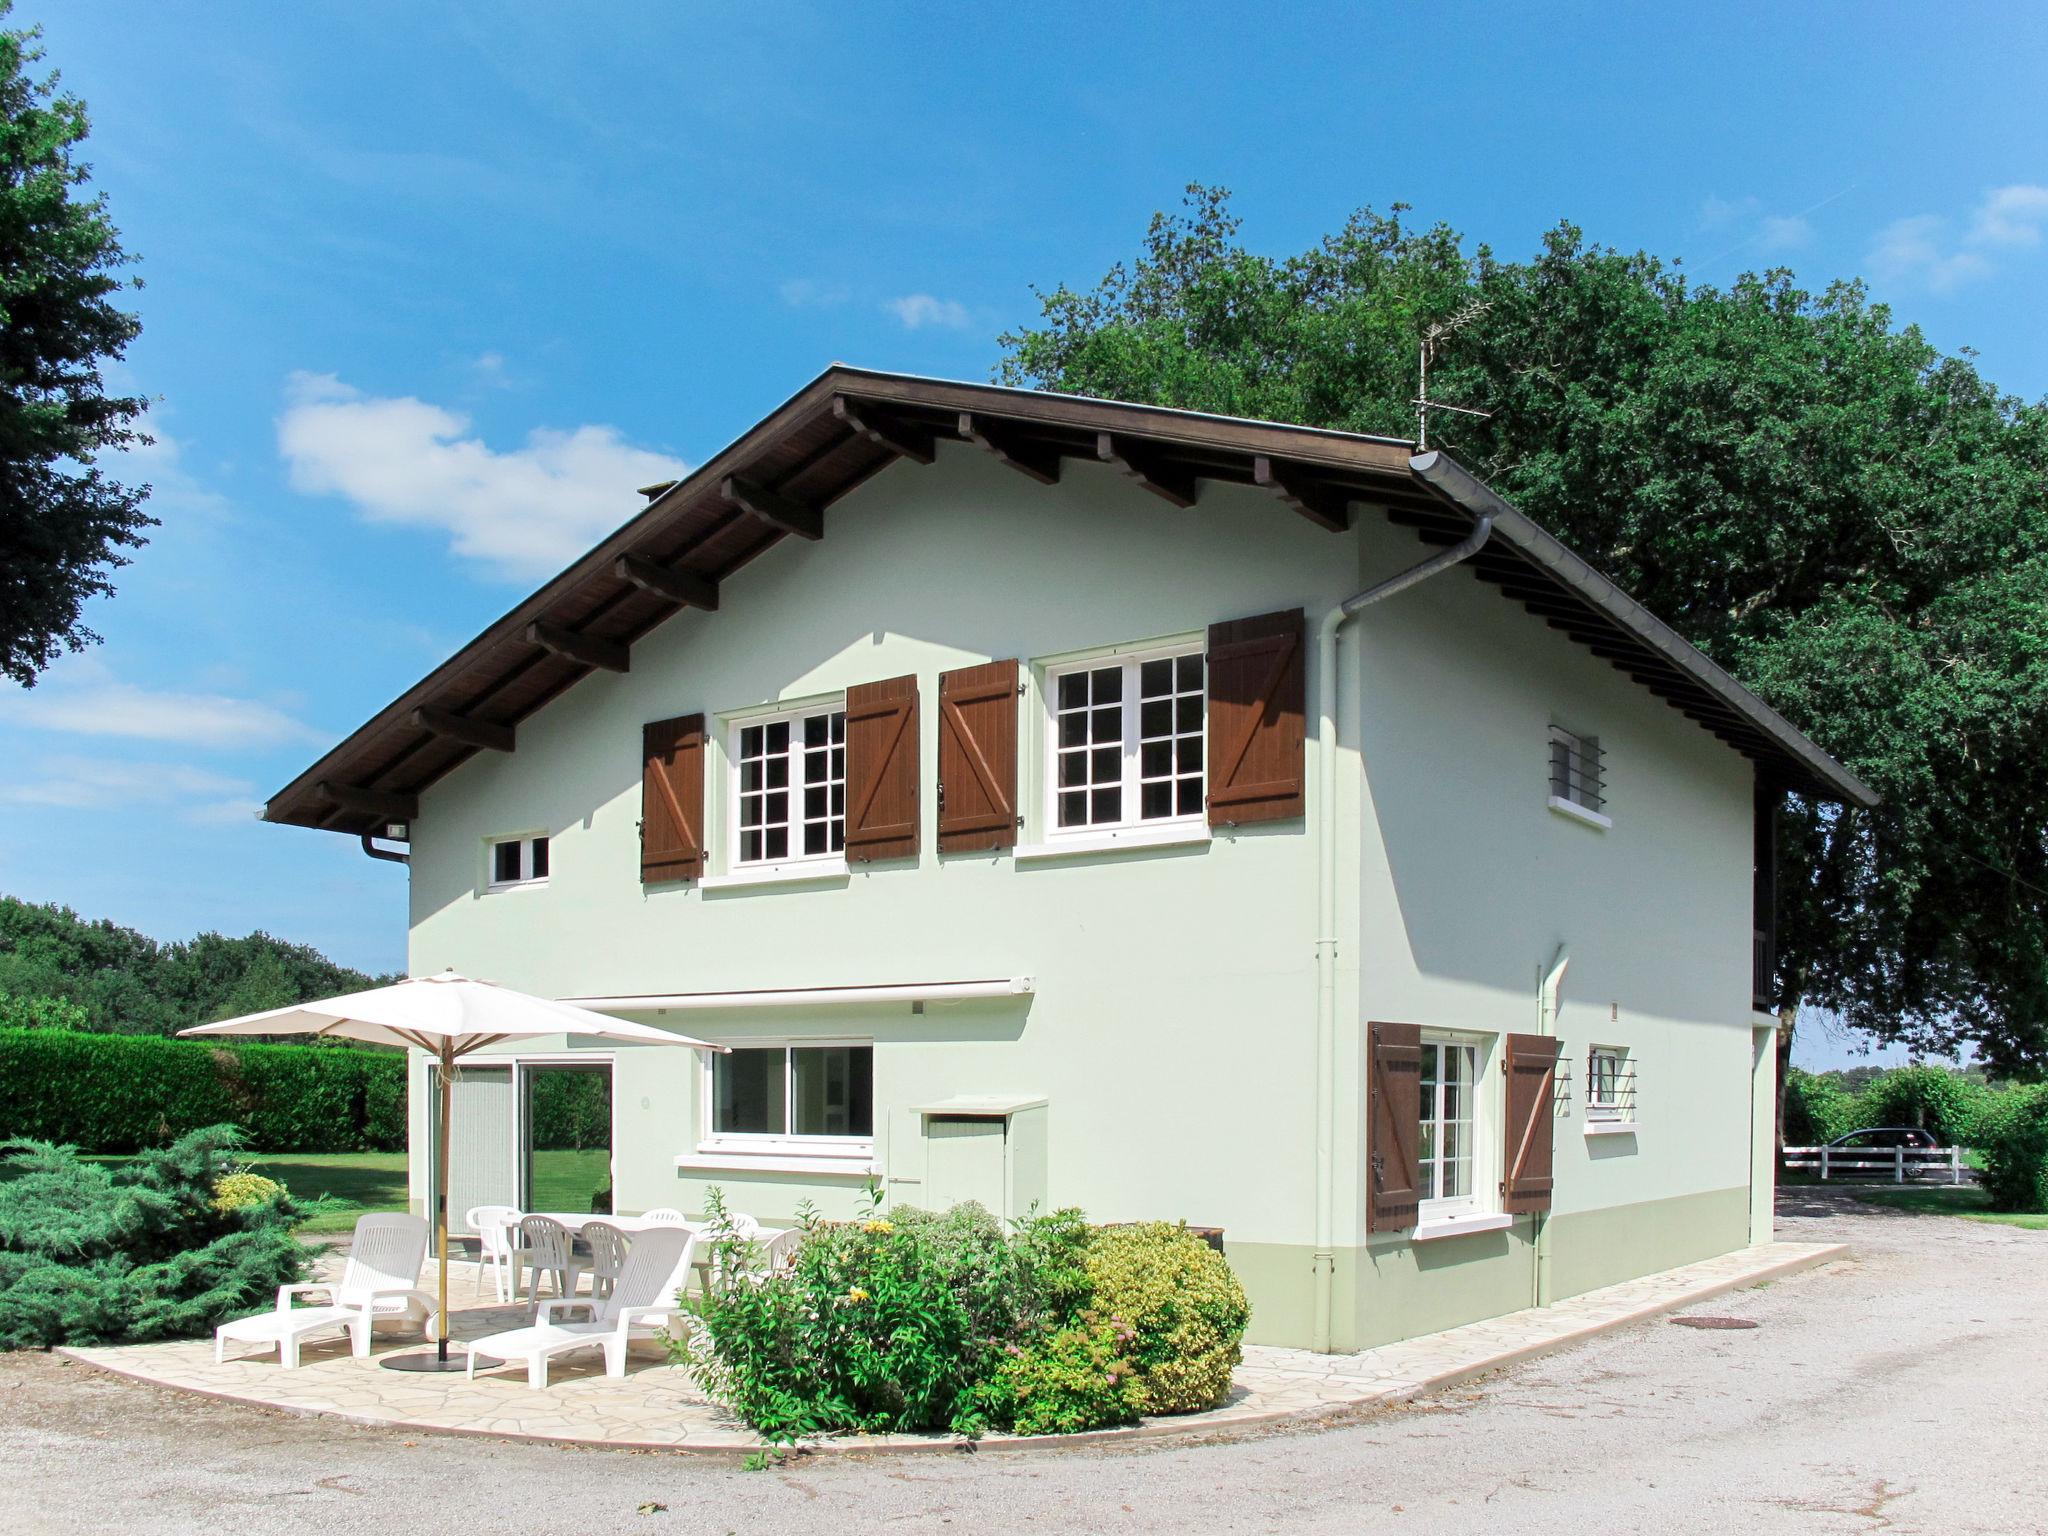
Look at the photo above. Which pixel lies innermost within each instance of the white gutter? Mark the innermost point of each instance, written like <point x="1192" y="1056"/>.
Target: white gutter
<point x="1326" y="900"/>
<point x="813" y="997"/>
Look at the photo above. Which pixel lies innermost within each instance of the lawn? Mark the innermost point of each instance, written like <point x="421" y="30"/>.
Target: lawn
<point x="1951" y="1200"/>
<point x="375" y="1181"/>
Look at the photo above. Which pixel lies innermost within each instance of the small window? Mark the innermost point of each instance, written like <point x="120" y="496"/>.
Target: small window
<point x="1127" y="742"/>
<point x="1610" y="1084"/>
<point x="794" y="1091"/>
<point x="1575" y="771"/>
<point x="790" y="788"/>
<point x="518" y="861"/>
<point x="1445" y="1154"/>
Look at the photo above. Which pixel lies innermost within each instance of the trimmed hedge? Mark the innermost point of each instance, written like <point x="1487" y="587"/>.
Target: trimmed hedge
<point x="2015" y="1145"/>
<point x="126" y="1093"/>
<point x="1957" y="1109"/>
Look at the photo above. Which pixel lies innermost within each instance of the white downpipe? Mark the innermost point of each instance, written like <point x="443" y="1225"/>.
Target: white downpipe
<point x="1327" y="695"/>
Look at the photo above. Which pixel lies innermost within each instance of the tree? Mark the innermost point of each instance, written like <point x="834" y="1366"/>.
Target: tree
<point x="1853" y="524"/>
<point x="101" y="977"/>
<point x="63" y="520"/>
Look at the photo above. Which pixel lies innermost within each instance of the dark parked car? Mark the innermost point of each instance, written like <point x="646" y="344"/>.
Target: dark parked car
<point x="1887" y="1137"/>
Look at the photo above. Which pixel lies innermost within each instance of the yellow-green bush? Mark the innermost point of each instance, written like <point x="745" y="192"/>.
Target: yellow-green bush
<point x="1181" y="1303"/>
<point x="1067" y="1383"/>
<point x="232" y="1191"/>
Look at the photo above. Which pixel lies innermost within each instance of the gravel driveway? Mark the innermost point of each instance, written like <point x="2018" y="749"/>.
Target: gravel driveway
<point x="1904" y="1390"/>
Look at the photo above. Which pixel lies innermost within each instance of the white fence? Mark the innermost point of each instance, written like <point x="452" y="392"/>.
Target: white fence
<point x="1878" y="1165"/>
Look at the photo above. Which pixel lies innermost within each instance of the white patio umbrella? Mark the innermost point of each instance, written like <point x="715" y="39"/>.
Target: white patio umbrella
<point x="447" y="1016"/>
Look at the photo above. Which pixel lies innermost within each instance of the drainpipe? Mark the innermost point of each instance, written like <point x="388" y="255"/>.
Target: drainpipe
<point x="1549" y="999"/>
<point x="1325" y="1271"/>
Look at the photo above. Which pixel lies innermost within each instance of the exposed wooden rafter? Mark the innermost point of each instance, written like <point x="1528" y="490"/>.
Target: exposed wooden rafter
<point x="1168" y="483"/>
<point x="487" y="734"/>
<point x="380" y="803"/>
<point x="1039" y="462"/>
<point x="774" y="508"/>
<point x="864" y="422"/>
<point x="685" y="587"/>
<point x="1321" y="504"/>
<point x="589" y="650"/>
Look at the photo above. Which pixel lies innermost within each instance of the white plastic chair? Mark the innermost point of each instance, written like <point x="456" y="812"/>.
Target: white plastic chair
<point x="607" y="1254"/>
<point x="492" y="1225"/>
<point x="548" y="1251"/>
<point x="664" y="1216"/>
<point x="644" y="1299"/>
<point x="380" y="1281"/>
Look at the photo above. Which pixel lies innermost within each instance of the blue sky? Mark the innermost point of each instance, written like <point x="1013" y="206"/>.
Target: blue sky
<point x="430" y="289"/>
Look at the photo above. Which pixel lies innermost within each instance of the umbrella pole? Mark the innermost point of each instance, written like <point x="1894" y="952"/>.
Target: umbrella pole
<point x="438" y="1360"/>
<point x="441" y="1192"/>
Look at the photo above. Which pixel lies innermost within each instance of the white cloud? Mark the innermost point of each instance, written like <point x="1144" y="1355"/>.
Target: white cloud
<point x="1927" y="250"/>
<point x="94" y="783"/>
<point x="521" y="513"/>
<point x="1784" y="232"/>
<point x="85" y="700"/>
<point x="917" y="310"/>
<point x="2011" y="216"/>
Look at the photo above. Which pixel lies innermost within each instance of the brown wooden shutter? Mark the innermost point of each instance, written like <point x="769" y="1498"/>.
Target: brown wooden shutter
<point x="1531" y="1115"/>
<point x="978" y="758"/>
<point x="672" y="800"/>
<point x="1257" y="699"/>
<point x="1393" y="1125"/>
<point x="881" y="770"/>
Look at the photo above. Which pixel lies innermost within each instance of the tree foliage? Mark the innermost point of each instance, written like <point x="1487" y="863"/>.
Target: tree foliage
<point x="63" y="520"/>
<point x="1852" y="523"/>
<point x="114" y="980"/>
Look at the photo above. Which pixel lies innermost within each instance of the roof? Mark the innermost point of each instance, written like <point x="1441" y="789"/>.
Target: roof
<point x="778" y="479"/>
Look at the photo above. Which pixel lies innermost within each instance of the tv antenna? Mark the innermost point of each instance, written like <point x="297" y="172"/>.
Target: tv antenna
<point x="1436" y="333"/>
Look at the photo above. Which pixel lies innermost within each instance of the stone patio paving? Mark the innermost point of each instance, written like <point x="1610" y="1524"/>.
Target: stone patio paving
<point x="658" y="1406"/>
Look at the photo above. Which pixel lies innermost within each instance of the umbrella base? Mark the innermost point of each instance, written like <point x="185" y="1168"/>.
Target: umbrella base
<point x="432" y="1360"/>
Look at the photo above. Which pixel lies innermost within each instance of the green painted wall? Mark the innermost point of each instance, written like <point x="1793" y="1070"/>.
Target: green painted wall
<point x="1172" y="1028"/>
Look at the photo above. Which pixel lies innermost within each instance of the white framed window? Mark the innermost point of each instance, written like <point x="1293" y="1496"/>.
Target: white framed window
<point x="1447" y="1152"/>
<point x="1578" y="785"/>
<point x="802" y="1095"/>
<point x="515" y="861"/>
<point x="1610" y="1084"/>
<point x="1126" y="745"/>
<point x="788" y="801"/>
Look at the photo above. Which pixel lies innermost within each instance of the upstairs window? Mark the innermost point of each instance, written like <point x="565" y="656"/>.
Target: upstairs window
<point x="518" y="861"/>
<point x="1127" y="742"/>
<point x="1577" y="785"/>
<point x="790" y="788"/>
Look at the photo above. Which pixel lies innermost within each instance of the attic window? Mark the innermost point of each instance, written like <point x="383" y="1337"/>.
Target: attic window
<point x="1576" y="782"/>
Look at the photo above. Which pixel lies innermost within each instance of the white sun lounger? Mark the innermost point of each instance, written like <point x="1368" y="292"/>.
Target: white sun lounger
<point x="643" y="1298"/>
<point x="380" y="1281"/>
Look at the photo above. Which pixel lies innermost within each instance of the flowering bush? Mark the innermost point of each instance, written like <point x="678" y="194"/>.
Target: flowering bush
<point x="232" y="1191"/>
<point x="1184" y="1307"/>
<point x="927" y="1320"/>
<point x="1076" y="1379"/>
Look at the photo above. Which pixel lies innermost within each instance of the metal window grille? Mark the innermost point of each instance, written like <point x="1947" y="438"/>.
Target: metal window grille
<point x="1610" y="1084"/>
<point x="1576" y="769"/>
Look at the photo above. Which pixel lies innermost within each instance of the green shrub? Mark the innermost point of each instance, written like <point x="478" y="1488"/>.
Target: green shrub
<point x="1183" y="1305"/>
<point x="234" y="1190"/>
<point x="1816" y="1109"/>
<point x="1068" y="1382"/>
<point x="862" y="1331"/>
<point x="17" y="1012"/>
<point x="2015" y="1142"/>
<point x="123" y="1093"/>
<point x="1936" y="1098"/>
<point x="90" y="1255"/>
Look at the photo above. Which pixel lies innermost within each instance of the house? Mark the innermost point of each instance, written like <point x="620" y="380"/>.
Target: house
<point x="1060" y="802"/>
